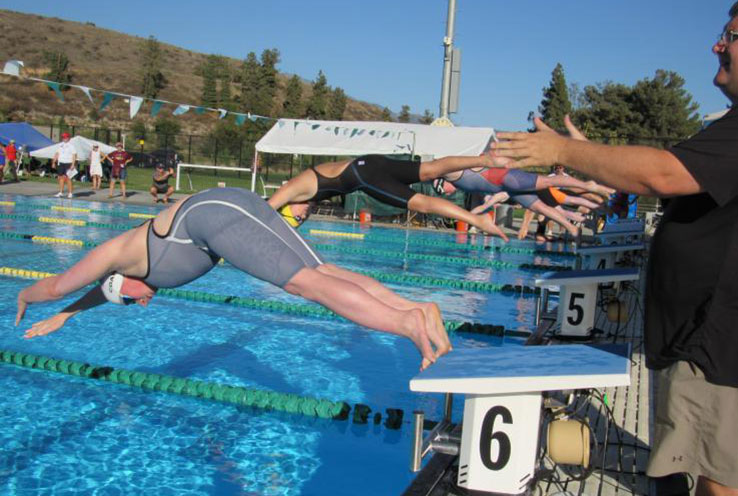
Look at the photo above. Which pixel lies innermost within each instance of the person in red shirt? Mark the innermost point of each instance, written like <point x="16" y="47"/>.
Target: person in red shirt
<point x="119" y="158"/>
<point x="11" y="158"/>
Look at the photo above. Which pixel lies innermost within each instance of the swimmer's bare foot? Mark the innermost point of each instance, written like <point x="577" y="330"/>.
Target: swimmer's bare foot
<point x="599" y="189"/>
<point x="576" y="216"/>
<point x="417" y="331"/>
<point x="436" y="330"/>
<point x="487" y="224"/>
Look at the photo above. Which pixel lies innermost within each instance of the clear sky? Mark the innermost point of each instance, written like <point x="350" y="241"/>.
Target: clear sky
<point x="390" y="52"/>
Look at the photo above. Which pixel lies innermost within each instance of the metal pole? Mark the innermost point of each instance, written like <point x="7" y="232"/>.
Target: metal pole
<point x="417" y="455"/>
<point x="448" y="46"/>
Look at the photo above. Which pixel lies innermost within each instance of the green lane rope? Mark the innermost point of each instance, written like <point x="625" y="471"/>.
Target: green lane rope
<point x="405" y="279"/>
<point x="299" y="309"/>
<point x="237" y="395"/>
<point x="473" y="262"/>
<point x="112" y="213"/>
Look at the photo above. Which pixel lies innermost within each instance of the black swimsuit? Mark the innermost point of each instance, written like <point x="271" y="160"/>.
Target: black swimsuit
<point x="385" y="179"/>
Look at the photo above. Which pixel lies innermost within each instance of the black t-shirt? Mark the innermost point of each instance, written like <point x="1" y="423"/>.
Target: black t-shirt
<point x="692" y="284"/>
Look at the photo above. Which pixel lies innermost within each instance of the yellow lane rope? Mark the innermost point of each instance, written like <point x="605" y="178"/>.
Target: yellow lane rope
<point x="337" y="234"/>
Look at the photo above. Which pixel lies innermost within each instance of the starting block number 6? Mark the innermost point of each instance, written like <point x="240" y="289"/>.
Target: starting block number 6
<point x="499" y="441"/>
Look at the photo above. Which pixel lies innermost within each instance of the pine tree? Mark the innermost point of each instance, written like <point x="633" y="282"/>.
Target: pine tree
<point x="404" y="114"/>
<point x="427" y="117"/>
<point x="386" y="115"/>
<point x="267" y="82"/>
<point x="209" y="97"/>
<point x="153" y="79"/>
<point x="555" y="104"/>
<point x="225" y="98"/>
<point x="292" y="106"/>
<point x="337" y="104"/>
<point x="249" y="80"/>
<point x="317" y="107"/>
<point x="58" y="64"/>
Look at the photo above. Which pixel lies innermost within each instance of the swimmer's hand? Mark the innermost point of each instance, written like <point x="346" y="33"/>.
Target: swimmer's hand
<point x="47" y="326"/>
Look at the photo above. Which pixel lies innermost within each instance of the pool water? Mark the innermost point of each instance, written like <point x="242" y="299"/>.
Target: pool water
<point x="68" y="435"/>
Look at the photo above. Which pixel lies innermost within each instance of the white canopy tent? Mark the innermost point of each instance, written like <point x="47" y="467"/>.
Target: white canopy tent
<point x="353" y="138"/>
<point x="82" y="145"/>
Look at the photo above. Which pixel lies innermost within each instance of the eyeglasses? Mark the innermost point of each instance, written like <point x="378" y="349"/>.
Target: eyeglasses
<point x="727" y="37"/>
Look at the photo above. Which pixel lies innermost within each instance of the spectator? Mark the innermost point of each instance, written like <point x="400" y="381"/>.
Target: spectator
<point x="96" y="160"/>
<point x="11" y="160"/>
<point x="161" y="184"/>
<point x="119" y="158"/>
<point x="65" y="163"/>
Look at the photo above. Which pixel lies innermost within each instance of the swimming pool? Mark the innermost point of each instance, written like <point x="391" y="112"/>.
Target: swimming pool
<point x="69" y="435"/>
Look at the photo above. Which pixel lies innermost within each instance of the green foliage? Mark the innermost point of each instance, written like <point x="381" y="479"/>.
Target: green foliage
<point x="337" y="105"/>
<point x="386" y="115"/>
<point x="225" y="98"/>
<point x="652" y="108"/>
<point x="268" y="81"/>
<point x="292" y="106"/>
<point x="317" y="106"/>
<point x="138" y="129"/>
<point x="209" y="72"/>
<point x="555" y="104"/>
<point x="58" y="64"/>
<point x="404" y="114"/>
<point x="152" y="79"/>
<point x="166" y="131"/>
<point x="249" y="80"/>
<point x="427" y="117"/>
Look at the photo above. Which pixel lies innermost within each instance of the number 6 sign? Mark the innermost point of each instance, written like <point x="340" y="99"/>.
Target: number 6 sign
<point x="499" y="441"/>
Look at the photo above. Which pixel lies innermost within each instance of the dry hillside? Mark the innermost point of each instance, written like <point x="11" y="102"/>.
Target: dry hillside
<point x="107" y="60"/>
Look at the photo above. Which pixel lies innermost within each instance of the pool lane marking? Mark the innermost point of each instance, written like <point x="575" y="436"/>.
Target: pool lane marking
<point x="110" y="213"/>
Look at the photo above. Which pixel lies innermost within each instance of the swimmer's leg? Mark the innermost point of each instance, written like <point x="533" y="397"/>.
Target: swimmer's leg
<point x="543" y="182"/>
<point x="580" y="202"/>
<point x="525" y="225"/>
<point x="442" y="166"/>
<point x="351" y="301"/>
<point x="432" y="205"/>
<point x="431" y="311"/>
<point x="539" y="207"/>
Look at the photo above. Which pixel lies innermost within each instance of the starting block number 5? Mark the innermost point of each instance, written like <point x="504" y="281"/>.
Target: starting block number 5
<point x="577" y="309"/>
<point x="499" y="441"/>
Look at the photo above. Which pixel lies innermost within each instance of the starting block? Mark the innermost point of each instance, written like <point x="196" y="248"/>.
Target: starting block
<point x="502" y="409"/>
<point x="621" y="231"/>
<point x="603" y="256"/>
<point x="577" y="296"/>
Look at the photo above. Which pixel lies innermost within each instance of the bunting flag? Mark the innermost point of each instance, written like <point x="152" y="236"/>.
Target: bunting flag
<point x="12" y="67"/>
<point x="86" y="91"/>
<point x="156" y="107"/>
<point x="107" y="98"/>
<point x="136" y="102"/>
<point x="181" y="109"/>
<point x="222" y="113"/>
<point x="55" y="86"/>
<point x="199" y="110"/>
<point x="240" y="119"/>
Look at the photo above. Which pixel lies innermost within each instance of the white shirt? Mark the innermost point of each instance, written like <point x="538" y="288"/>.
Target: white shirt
<point x="95" y="157"/>
<point x="66" y="153"/>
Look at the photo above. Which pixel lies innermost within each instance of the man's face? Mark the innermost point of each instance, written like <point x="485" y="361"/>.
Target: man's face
<point x="727" y="52"/>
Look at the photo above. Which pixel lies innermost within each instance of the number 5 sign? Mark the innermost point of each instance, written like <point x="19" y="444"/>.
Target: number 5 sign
<point x="577" y="309"/>
<point x="499" y="441"/>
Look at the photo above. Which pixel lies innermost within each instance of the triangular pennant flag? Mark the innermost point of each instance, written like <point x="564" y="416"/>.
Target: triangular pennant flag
<point x="156" y="107"/>
<point x="86" y="91"/>
<point x="253" y="118"/>
<point x="106" y="100"/>
<point x="294" y="125"/>
<point x="240" y="119"/>
<point x="315" y="126"/>
<point x="55" y="86"/>
<point x="280" y="123"/>
<point x="372" y="133"/>
<point x="199" y="110"/>
<point x="136" y="102"/>
<point x="181" y="109"/>
<point x="361" y="131"/>
<point x="12" y="67"/>
<point x="354" y="132"/>
<point x="386" y="133"/>
<point x="335" y="131"/>
<point x="222" y="113"/>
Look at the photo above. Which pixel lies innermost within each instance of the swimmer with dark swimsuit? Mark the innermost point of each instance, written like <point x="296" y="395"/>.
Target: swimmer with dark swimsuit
<point x="188" y="239"/>
<point x="387" y="180"/>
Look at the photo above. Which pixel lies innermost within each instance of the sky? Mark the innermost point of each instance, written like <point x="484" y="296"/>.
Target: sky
<point x="390" y="52"/>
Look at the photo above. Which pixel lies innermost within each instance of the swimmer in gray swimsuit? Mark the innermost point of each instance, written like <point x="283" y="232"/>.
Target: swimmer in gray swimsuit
<point x="188" y="239"/>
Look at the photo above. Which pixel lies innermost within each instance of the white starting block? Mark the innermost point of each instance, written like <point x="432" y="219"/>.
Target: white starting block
<point x="578" y="296"/>
<point x="621" y="231"/>
<point x="603" y="256"/>
<point x="502" y="408"/>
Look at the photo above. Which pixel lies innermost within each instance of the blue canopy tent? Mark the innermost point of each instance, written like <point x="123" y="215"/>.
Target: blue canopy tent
<point x="24" y="135"/>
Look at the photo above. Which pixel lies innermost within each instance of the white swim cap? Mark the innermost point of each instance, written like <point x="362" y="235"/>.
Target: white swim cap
<point x="111" y="289"/>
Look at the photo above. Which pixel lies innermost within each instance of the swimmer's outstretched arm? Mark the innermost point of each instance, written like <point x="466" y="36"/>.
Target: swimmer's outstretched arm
<point x="300" y="188"/>
<point x="91" y="299"/>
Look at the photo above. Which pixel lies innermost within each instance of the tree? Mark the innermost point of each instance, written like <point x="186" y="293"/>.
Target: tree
<point x="138" y="130"/>
<point x="337" y="104"/>
<point x="166" y="131"/>
<point x="386" y="115"/>
<point x="267" y="86"/>
<point x="209" y="73"/>
<point x="427" y="117"/>
<point x="249" y="80"/>
<point x="555" y="104"/>
<point x="292" y="106"/>
<point x="153" y="79"/>
<point x="225" y="99"/>
<point x="58" y="64"/>
<point x="404" y="114"/>
<point x="317" y="106"/>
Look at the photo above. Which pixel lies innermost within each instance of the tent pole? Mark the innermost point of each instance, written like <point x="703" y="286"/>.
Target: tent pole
<point x="254" y="168"/>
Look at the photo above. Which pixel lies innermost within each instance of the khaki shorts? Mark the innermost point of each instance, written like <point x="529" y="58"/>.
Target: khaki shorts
<point x="695" y="426"/>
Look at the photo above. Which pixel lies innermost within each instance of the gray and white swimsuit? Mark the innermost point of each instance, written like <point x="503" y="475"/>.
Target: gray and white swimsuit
<point x="231" y="223"/>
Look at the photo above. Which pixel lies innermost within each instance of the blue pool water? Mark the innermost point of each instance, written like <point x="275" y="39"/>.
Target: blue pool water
<point x="66" y="435"/>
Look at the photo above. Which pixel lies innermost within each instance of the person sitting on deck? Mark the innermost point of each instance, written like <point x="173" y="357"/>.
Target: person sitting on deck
<point x="188" y="239"/>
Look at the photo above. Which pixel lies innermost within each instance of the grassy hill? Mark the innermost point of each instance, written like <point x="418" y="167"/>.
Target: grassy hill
<point x="107" y="60"/>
